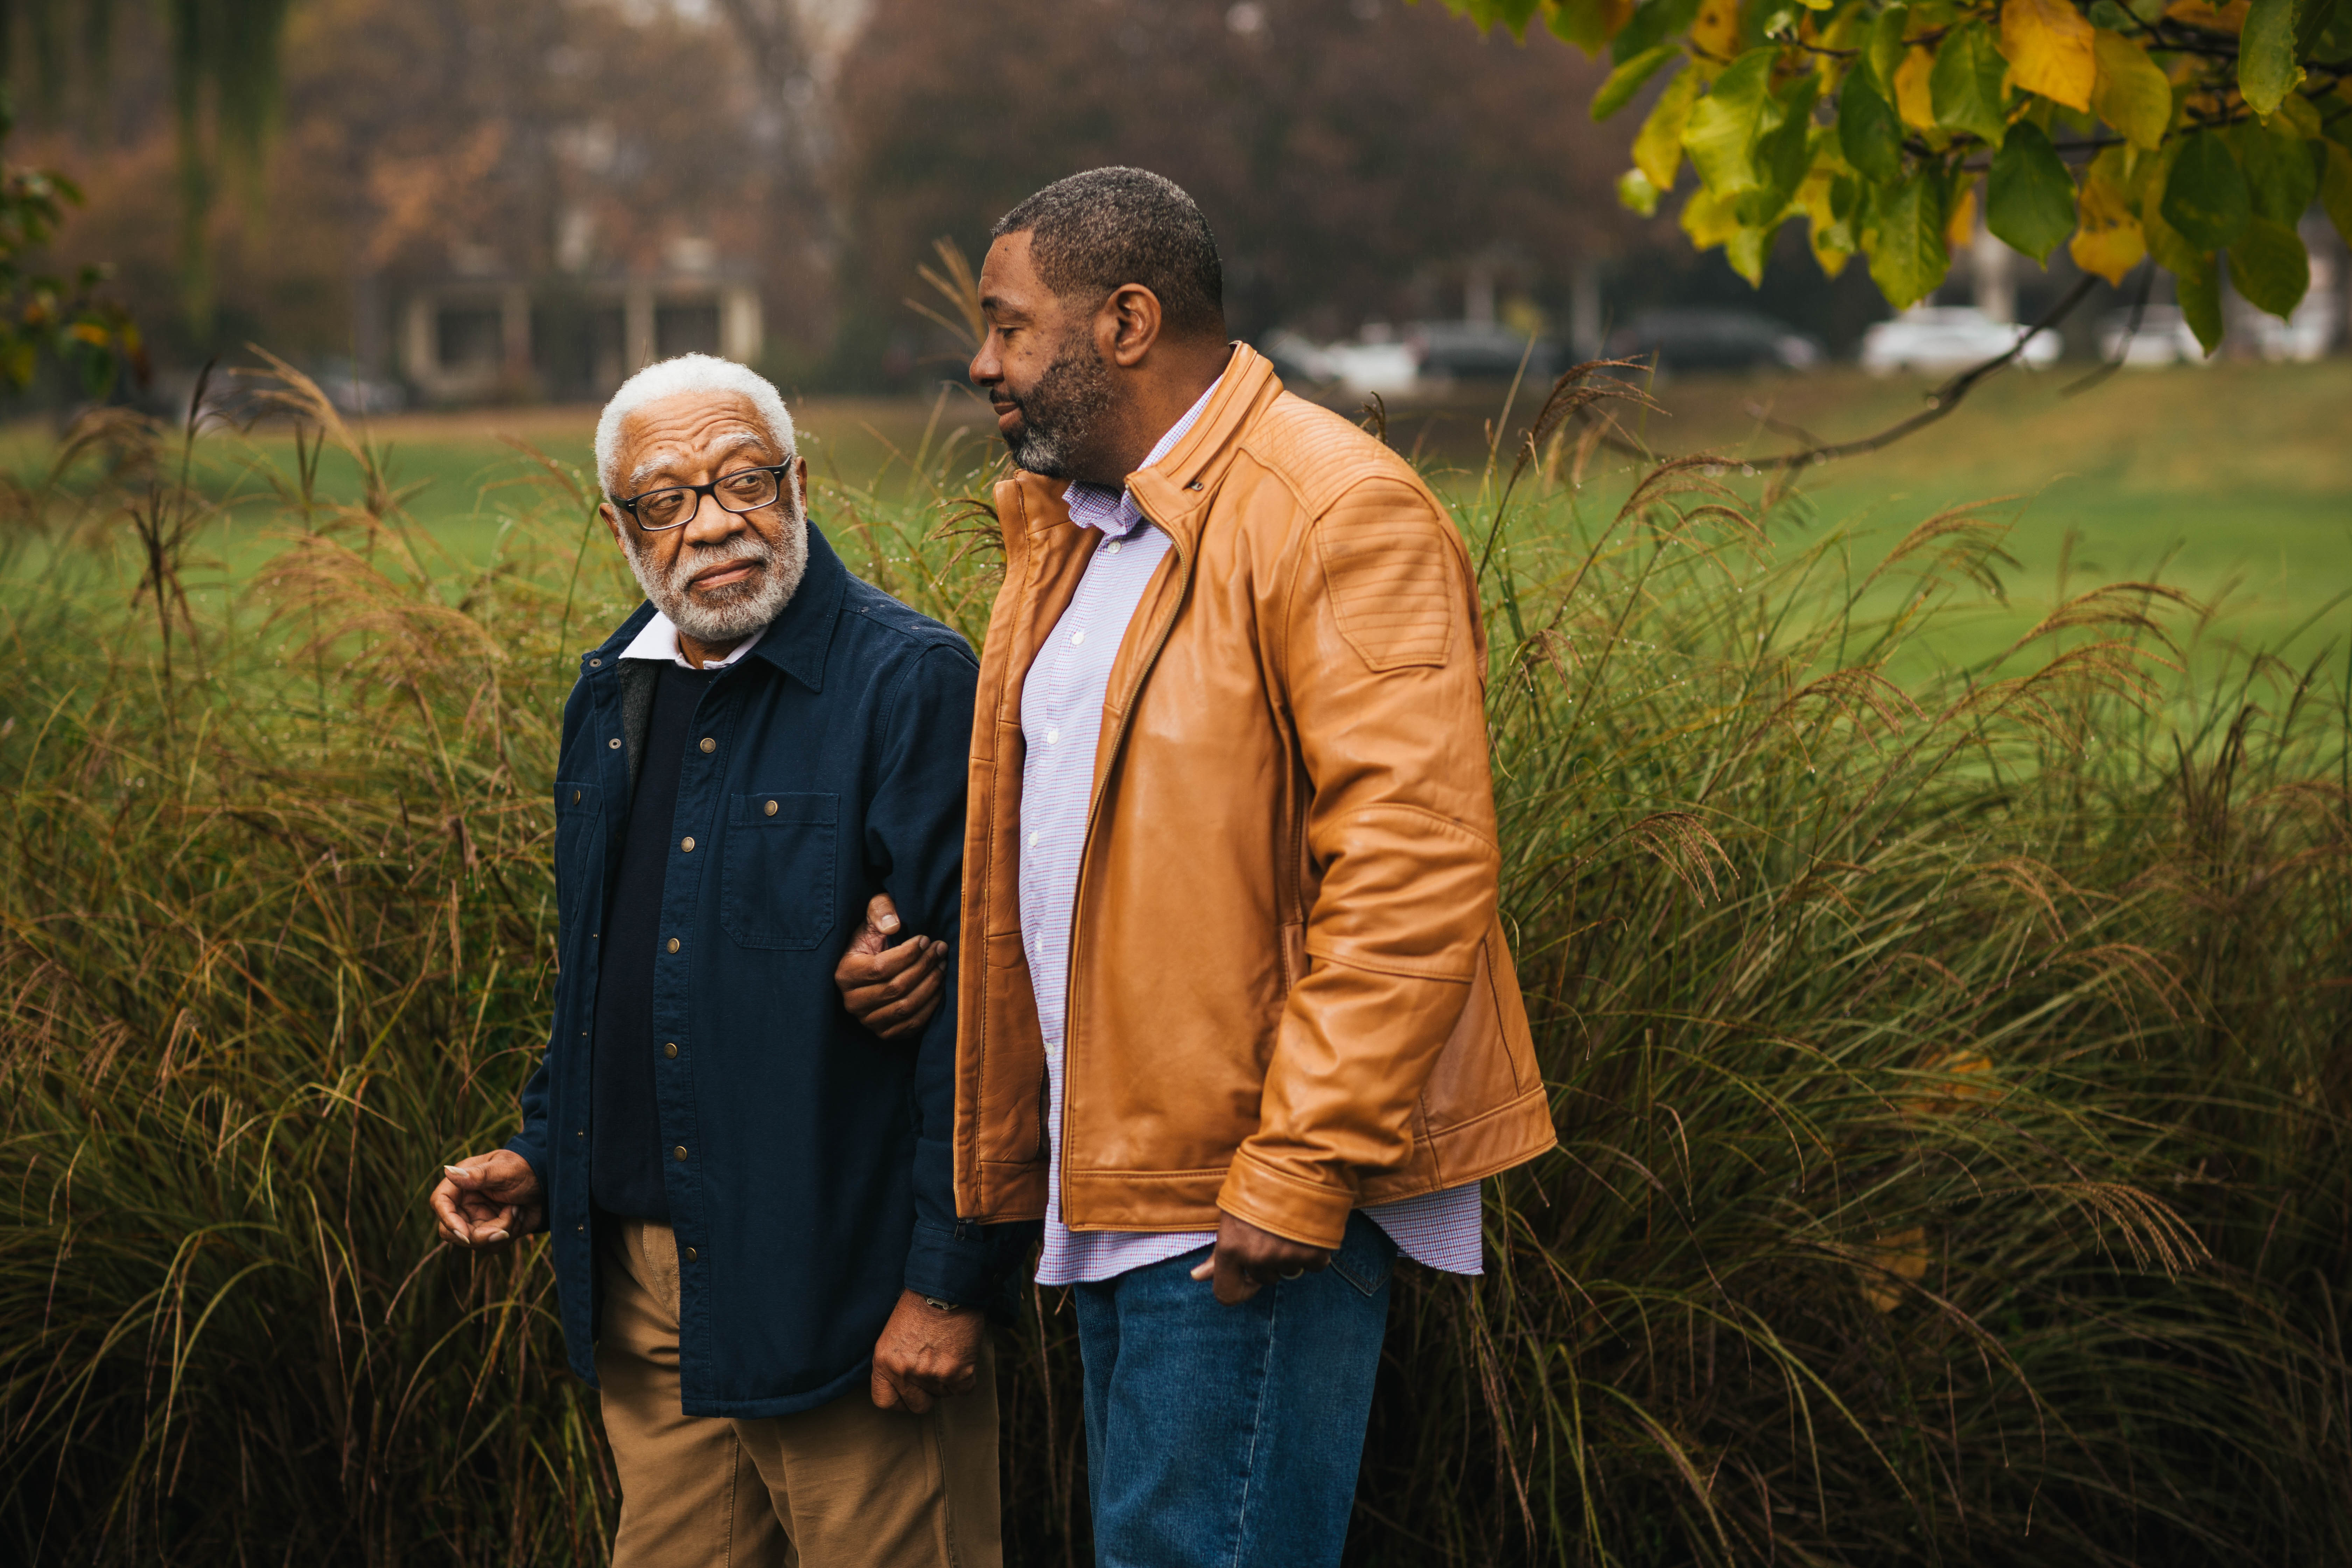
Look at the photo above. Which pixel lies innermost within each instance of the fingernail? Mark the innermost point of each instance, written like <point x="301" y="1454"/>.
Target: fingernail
<point x="498" y="1235"/>
<point x="455" y="1170"/>
<point x="886" y="923"/>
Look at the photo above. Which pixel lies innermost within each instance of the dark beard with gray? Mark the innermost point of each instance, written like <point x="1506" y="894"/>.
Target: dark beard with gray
<point x="1058" y="415"/>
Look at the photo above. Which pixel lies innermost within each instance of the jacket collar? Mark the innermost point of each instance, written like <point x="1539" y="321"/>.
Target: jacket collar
<point x="795" y="642"/>
<point x="1174" y="492"/>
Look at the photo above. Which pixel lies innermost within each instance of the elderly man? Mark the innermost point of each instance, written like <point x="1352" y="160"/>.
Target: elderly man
<point x="748" y="1196"/>
<point x="1229" y="895"/>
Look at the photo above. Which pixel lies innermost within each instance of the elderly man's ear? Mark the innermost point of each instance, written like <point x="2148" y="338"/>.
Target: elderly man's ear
<point x="893" y="991"/>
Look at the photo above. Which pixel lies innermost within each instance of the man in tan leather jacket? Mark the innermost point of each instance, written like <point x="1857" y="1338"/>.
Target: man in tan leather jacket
<point x="1237" y="1018"/>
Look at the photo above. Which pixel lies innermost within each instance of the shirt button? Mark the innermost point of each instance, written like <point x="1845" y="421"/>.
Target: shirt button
<point x="1053" y="737"/>
<point x="771" y="808"/>
<point x="575" y="797"/>
<point x="1033" y="841"/>
<point x="708" y="745"/>
<point x="686" y="844"/>
<point x="679" y="1152"/>
<point x="614" y="742"/>
<point x="1112" y="548"/>
<point x="1077" y="637"/>
<point x="670" y="1049"/>
<point x="691" y="1255"/>
<point x="673" y="944"/>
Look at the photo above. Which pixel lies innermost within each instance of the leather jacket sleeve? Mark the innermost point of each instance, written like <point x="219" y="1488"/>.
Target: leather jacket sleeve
<point x="1381" y="670"/>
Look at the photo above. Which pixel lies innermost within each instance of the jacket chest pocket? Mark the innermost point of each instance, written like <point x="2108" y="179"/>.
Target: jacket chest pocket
<point x="776" y="890"/>
<point x="579" y="852"/>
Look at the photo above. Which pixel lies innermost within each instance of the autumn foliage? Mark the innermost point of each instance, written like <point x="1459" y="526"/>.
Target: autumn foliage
<point x="2176" y="130"/>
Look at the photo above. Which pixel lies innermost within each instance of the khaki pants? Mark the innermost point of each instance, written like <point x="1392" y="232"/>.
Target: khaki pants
<point x="843" y="1486"/>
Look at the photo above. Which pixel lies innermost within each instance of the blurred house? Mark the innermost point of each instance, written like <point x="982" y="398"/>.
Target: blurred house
<point x="480" y="332"/>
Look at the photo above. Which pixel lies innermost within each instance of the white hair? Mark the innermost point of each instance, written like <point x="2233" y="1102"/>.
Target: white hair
<point x="687" y="372"/>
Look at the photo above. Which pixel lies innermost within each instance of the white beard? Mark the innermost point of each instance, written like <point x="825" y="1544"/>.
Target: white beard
<point x="733" y="613"/>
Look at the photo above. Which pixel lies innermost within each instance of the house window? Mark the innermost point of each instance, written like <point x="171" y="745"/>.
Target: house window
<point x="466" y="336"/>
<point x="686" y="330"/>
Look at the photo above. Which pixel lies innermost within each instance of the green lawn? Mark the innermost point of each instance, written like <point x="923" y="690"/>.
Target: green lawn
<point x="2231" y="483"/>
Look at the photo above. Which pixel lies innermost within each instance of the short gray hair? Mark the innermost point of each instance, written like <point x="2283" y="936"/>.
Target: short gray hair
<point x="687" y="372"/>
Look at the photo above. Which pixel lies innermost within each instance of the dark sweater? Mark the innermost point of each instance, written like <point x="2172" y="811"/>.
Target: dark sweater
<point x="625" y="1126"/>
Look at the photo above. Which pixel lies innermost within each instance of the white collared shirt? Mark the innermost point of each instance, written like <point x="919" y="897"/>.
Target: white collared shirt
<point x="658" y="641"/>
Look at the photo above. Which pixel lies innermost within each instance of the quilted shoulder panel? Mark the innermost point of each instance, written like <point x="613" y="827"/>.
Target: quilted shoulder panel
<point x="1388" y="565"/>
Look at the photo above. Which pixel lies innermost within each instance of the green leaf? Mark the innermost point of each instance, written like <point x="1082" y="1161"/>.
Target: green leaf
<point x="2108" y="14"/>
<point x="1965" y="84"/>
<point x="2030" y="199"/>
<point x="1883" y="53"/>
<point x="1635" y="193"/>
<point x="2266" y="67"/>
<point x="1869" y="135"/>
<point x="1748" y="249"/>
<point x="1514" y="14"/>
<point x="1629" y="79"/>
<point x="2205" y="197"/>
<point x="1905" y="239"/>
<point x="1584" y="23"/>
<point x="1652" y="24"/>
<point x="1720" y="135"/>
<point x="2198" y="290"/>
<point x="2132" y="93"/>
<point x="2282" y="171"/>
<point x="2336" y="190"/>
<point x="1784" y="150"/>
<point x="2269" y="266"/>
<point x="1658" y="145"/>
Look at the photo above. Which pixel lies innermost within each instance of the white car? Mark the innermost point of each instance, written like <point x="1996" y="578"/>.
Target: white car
<point x="2162" y="338"/>
<point x="1940" y="339"/>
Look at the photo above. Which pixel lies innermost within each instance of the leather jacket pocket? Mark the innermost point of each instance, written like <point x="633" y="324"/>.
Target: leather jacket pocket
<point x="776" y="889"/>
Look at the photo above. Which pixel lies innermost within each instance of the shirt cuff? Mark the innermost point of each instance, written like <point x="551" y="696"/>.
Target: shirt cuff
<point x="961" y="1264"/>
<point x="536" y="1158"/>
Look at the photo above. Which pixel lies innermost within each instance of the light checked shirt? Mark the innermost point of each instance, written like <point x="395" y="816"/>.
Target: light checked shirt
<point x="1061" y="720"/>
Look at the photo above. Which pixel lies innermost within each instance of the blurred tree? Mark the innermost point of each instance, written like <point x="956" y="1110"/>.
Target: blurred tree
<point x="1358" y="159"/>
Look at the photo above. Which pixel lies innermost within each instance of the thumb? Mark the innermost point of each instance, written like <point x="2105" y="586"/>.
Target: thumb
<point x="465" y="1176"/>
<point x="881" y="924"/>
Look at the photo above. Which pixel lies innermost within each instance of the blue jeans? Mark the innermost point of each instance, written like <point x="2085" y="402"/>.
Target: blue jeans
<point x="1231" y="1435"/>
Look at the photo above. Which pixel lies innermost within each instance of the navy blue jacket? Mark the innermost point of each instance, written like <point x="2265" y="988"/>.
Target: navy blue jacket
<point x="827" y="765"/>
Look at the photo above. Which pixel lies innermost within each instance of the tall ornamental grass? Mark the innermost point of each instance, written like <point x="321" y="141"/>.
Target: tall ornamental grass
<point x="1950" y="1070"/>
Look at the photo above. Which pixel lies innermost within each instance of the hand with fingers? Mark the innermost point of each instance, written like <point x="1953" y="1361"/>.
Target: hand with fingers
<point x="1248" y="1259"/>
<point x="893" y="991"/>
<point x="487" y="1200"/>
<point x="928" y="1351"/>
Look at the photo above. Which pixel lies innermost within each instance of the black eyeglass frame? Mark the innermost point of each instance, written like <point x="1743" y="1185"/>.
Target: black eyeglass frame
<point x="703" y="492"/>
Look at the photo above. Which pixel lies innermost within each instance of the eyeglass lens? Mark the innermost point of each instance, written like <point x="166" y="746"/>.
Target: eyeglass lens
<point x="748" y="490"/>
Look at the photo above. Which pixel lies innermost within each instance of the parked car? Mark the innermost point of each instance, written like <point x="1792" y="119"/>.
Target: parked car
<point x="2162" y="337"/>
<point x="1704" y="339"/>
<point x="1940" y="339"/>
<point x="1482" y="351"/>
<point x="353" y="393"/>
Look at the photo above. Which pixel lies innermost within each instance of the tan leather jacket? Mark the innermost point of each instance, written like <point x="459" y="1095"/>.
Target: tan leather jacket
<point x="1290" y="992"/>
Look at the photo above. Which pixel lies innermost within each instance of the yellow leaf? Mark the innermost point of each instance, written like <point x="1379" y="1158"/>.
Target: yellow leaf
<point x="1716" y="30"/>
<point x="2131" y="94"/>
<point x="1832" y="240"/>
<point x="2229" y="18"/>
<point x="1902" y="1254"/>
<point x="1709" y="219"/>
<point x="1658" y="149"/>
<point x="1960" y="222"/>
<point x="2297" y="116"/>
<point x="2108" y="239"/>
<point x="1911" y="99"/>
<point x="2049" y="49"/>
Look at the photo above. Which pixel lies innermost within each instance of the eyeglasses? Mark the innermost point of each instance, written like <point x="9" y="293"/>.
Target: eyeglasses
<point x="745" y="490"/>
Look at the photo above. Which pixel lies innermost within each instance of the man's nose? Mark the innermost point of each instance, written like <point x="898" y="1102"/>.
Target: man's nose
<point x="986" y="368"/>
<point x="709" y="523"/>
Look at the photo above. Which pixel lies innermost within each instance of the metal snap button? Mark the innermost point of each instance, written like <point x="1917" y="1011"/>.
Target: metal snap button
<point x="670" y="1049"/>
<point x="673" y="944"/>
<point x="708" y="745"/>
<point x="680" y="1151"/>
<point x="686" y="844"/>
<point x="771" y="808"/>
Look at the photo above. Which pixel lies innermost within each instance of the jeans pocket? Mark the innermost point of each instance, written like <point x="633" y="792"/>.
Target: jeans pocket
<point x="1367" y="1258"/>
